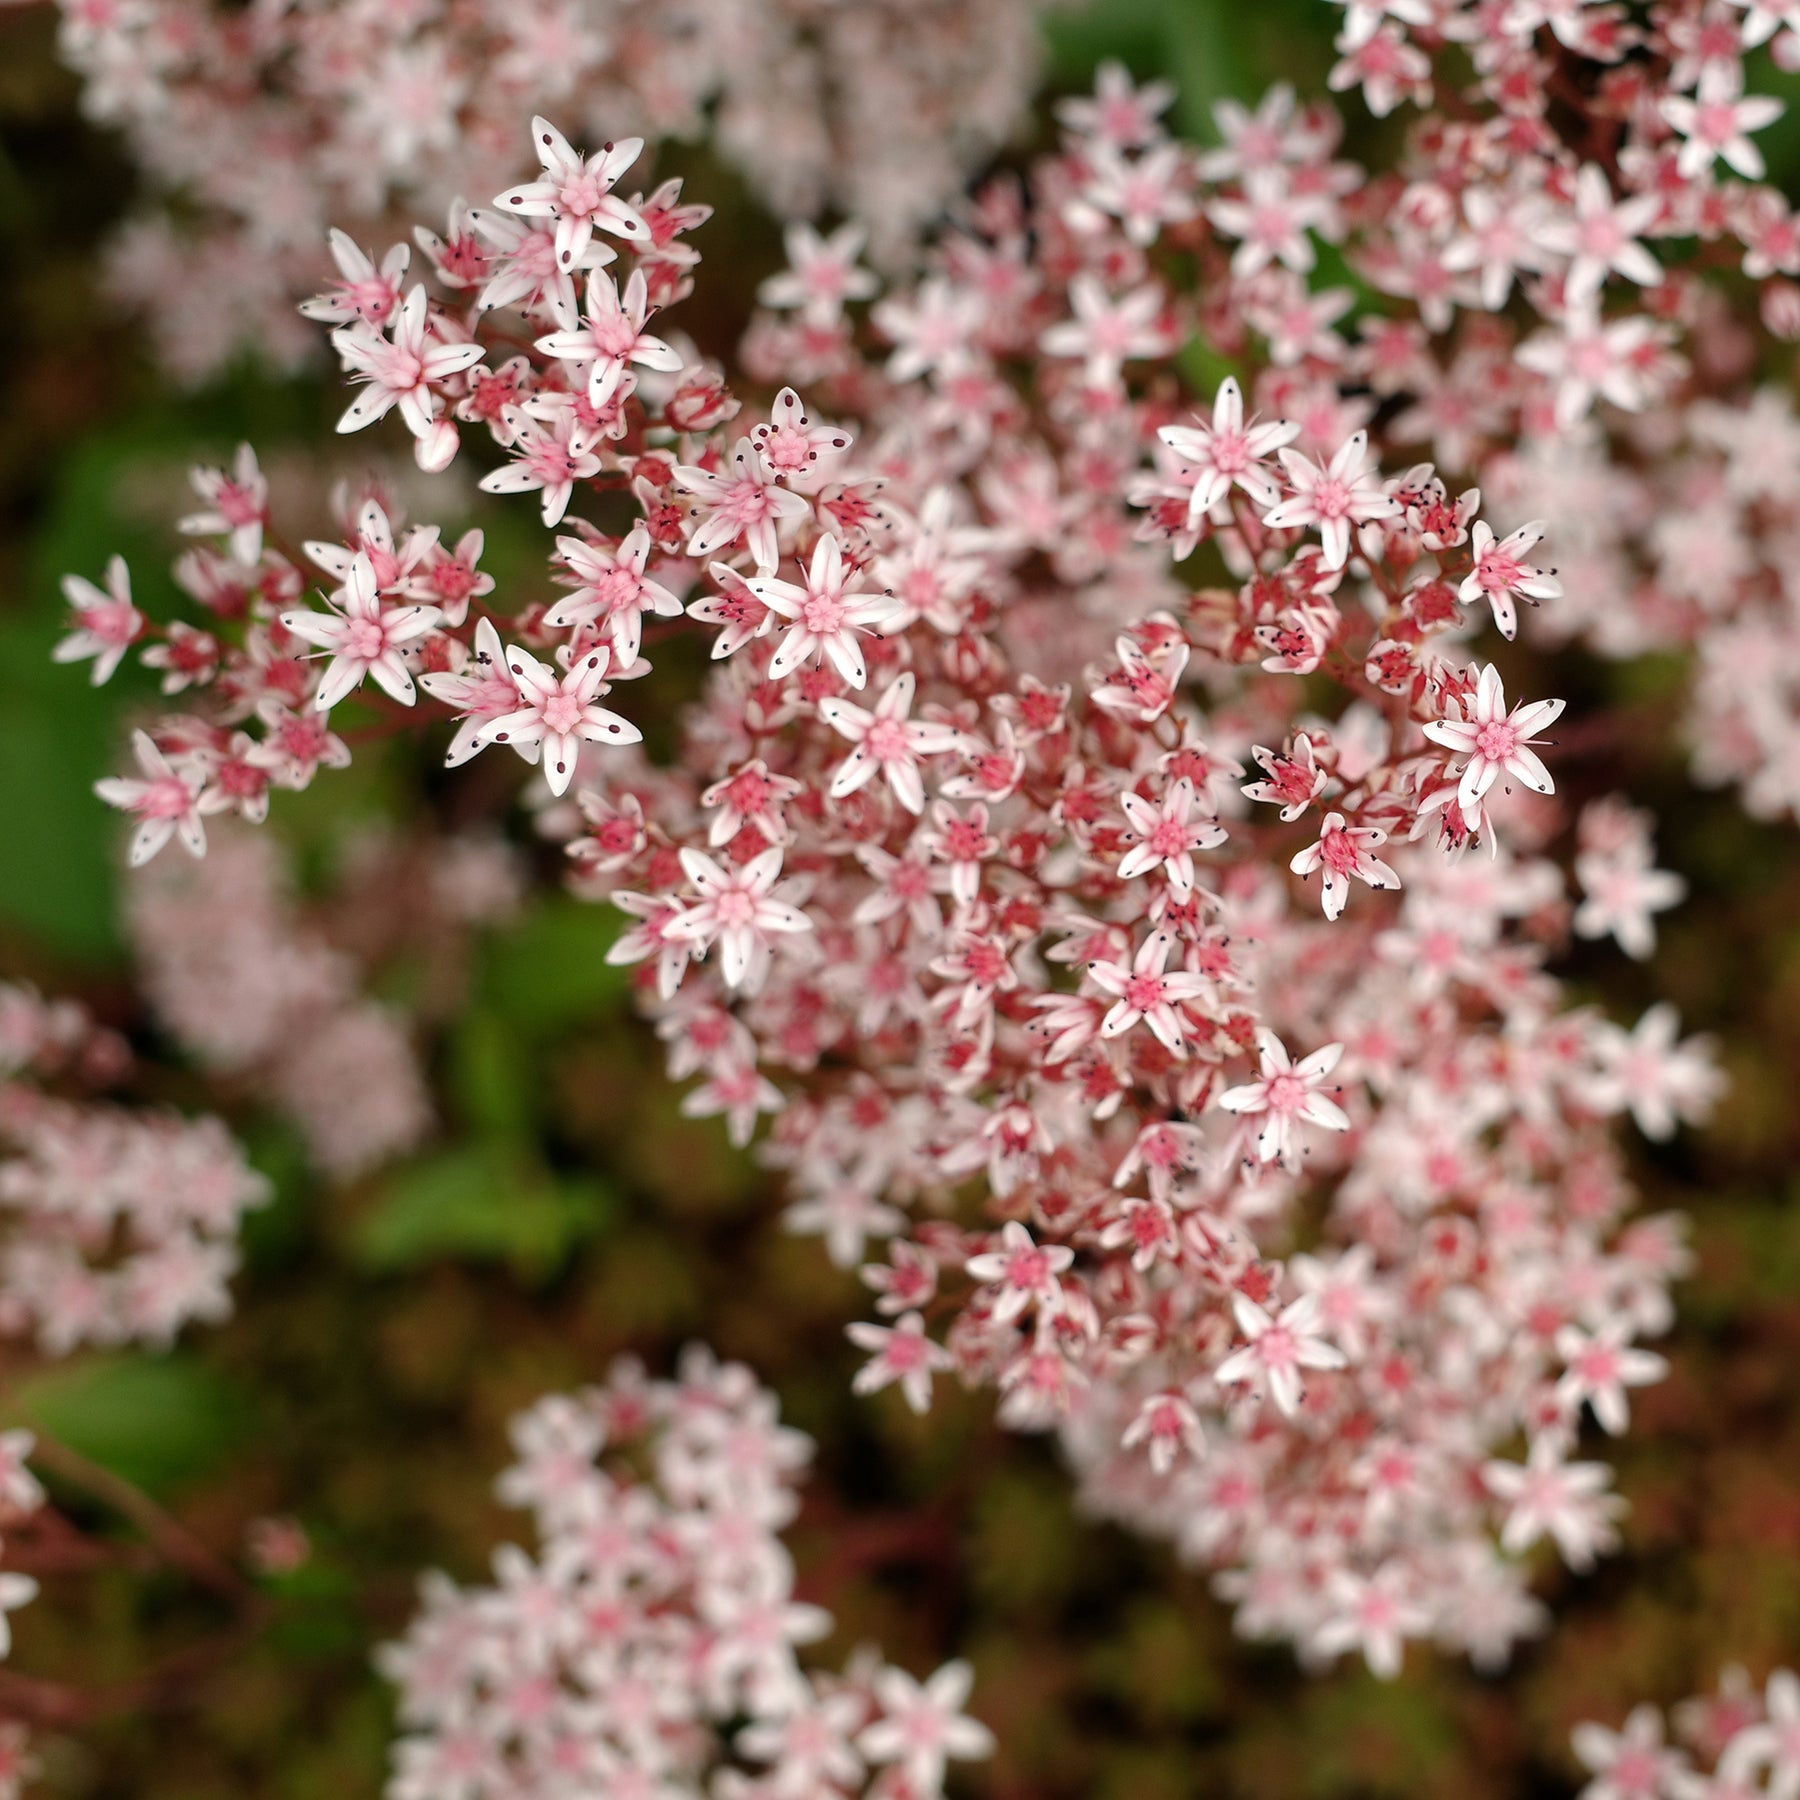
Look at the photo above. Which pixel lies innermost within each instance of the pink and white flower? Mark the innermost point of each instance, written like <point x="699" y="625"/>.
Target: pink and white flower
<point x="402" y="370"/>
<point x="557" y="714"/>
<point x="612" y="591"/>
<point x="107" y="624"/>
<point x="1168" y="835"/>
<point x="1285" y="1095"/>
<point x="612" y="339"/>
<point x="1333" y="496"/>
<point x="576" y="191"/>
<point x="363" y="638"/>
<point x="1228" y="453"/>
<point x="1496" y="742"/>
<point x="826" y="614"/>
<point x="1144" y="992"/>
<point x="887" y="742"/>
<point x="1501" y="573"/>
<point x="1281" y="1345"/>
<point x="736" y="909"/>
<point x="1343" y="851"/>
<point x="165" y="799"/>
<point x="900" y="1354"/>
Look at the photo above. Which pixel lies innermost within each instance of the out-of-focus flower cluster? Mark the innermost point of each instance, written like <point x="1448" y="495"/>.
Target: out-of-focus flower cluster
<point x="1732" y="1744"/>
<point x="1677" y="538"/>
<point x="117" y="1224"/>
<point x="1038" y="707"/>
<point x="258" y="127"/>
<point x="241" y="980"/>
<point x="651" y="1645"/>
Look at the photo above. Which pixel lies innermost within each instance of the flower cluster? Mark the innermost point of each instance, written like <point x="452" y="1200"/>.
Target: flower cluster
<point x="257" y="131"/>
<point x="984" y="861"/>
<point x="120" y="1224"/>
<point x="1673" y="539"/>
<point x="1732" y="1744"/>
<point x="254" y="991"/>
<point x="1561" y="256"/>
<point x="651" y="1645"/>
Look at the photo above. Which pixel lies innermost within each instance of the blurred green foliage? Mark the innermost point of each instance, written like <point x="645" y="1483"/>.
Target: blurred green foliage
<point x="482" y="1204"/>
<point x="160" y="1422"/>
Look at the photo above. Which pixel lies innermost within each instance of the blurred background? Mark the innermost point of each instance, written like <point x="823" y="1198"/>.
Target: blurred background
<point x="549" y="1208"/>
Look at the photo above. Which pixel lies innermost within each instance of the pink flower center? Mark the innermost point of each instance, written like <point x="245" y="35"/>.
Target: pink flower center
<point x="1286" y="1093"/>
<point x="1497" y="573"/>
<point x="1230" y="454"/>
<point x="561" y="712"/>
<point x="167" y="797"/>
<point x="614" y="335"/>
<point x="1027" y="1269"/>
<point x="735" y="907"/>
<point x="1331" y="499"/>
<point x="1497" y="740"/>
<point x="1600" y="236"/>
<point x="822" y="613"/>
<point x="887" y="741"/>
<point x="364" y="640"/>
<point x="1142" y="992"/>
<point x="580" y="194"/>
<point x="1715" y="123"/>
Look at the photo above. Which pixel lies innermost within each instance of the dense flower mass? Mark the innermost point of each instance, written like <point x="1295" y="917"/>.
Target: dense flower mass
<point x="117" y="1224"/>
<point x="986" y="862"/>
<point x="1587" y="311"/>
<point x="651" y="1645"/>
<point x="260" y="127"/>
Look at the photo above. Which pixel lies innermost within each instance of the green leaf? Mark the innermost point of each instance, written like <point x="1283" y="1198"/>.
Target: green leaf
<point x="275" y="1236"/>
<point x="490" y="1072"/>
<point x="156" y="1421"/>
<point x="56" y="877"/>
<point x="486" y="1204"/>
<point x="1211" y="51"/>
<point x="1132" y="31"/>
<point x="551" y="971"/>
<point x="1203" y="368"/>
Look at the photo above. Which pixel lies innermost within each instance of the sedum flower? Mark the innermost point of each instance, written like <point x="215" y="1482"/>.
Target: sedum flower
<point x="887" y="742"/>
<point x="165" y="798"/>
<point x="362" y="637"/>
<point x="576" y="191"/>
<point x="557" y="714"/>
<point x="106" y="622"/>
<point x="1496" y="742"/>
<point x="1281" y="1345"/>
<point x="826" y="614"/>
<point x="1286" y="1094"/>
